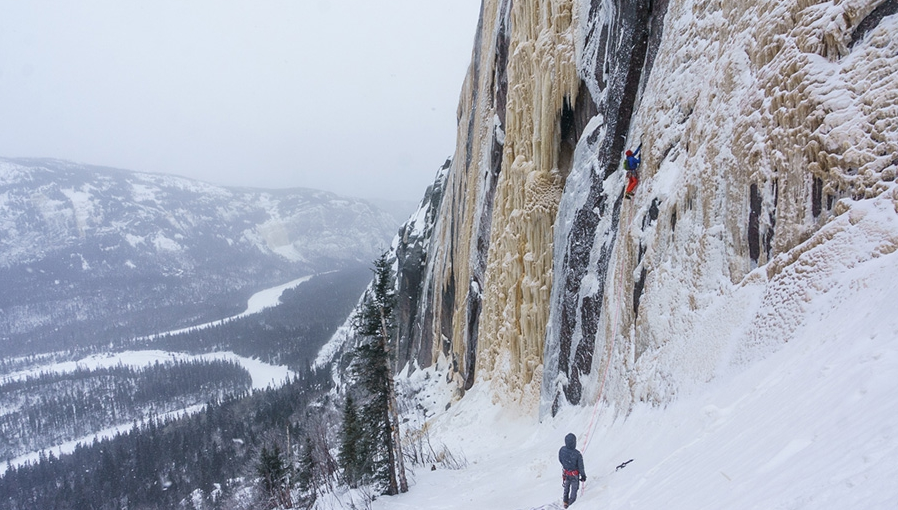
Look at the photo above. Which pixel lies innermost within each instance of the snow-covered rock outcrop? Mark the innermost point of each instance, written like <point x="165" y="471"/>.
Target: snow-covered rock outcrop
<point x="760" y="125"/>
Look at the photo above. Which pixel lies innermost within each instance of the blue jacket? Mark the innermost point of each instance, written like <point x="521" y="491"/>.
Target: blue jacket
<point x="633" y="161"/>
<point x="570" y="458"/>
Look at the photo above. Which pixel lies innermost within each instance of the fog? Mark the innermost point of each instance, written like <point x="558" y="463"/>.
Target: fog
<point x="351" y="96"/>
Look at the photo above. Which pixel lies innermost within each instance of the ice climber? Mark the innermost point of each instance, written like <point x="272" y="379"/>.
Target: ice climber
<point x="572" y="466"/>
<point x="631" y="164"/>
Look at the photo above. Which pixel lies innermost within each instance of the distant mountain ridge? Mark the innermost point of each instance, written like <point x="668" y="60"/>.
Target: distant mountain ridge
<point x="89" y="253"/>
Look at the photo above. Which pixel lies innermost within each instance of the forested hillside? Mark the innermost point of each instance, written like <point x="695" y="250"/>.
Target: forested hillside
<point x="193" y="462"/>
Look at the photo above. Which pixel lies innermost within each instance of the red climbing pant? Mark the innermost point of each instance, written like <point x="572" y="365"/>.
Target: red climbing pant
<point x="631" y="184"/>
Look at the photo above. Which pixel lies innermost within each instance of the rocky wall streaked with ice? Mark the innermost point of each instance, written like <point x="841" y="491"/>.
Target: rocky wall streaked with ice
<point x="761" y="125"/>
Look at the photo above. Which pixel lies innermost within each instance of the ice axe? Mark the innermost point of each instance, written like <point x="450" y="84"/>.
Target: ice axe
<point x="620" y="466"/>
<point x="623" y="464"/>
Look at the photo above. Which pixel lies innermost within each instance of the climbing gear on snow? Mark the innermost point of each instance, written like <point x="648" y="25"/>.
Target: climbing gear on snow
<point x="623" y="465"/>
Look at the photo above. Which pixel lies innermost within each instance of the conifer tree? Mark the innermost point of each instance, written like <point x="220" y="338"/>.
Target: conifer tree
<point x="306" y="475"/>
<point x="352" y="446"/>
<point x="274" y="472"/>
<point x="375" y="323"/>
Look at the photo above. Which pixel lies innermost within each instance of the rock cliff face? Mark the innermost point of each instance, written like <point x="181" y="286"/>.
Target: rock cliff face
<point x="761" y="125"/>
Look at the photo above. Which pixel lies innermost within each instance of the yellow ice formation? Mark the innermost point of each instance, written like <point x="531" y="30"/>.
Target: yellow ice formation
<point x="542" y="75"/>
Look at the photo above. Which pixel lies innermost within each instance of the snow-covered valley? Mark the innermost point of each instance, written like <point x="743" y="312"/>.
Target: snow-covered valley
<point x="259" y="301"/>
<point x="263" y="375"/>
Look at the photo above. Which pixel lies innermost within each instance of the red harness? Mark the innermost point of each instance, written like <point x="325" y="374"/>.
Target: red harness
<point x="573" y="473"/>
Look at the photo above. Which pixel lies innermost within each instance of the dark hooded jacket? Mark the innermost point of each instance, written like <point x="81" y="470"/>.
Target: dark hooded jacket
<point x="570" y="458"/>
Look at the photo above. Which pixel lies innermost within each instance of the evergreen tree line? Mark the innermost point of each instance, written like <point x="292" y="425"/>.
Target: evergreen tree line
<point x="50" y="408"/>
<point x="298" y="476"/>
<point x="368" y="443"/>
<point x="207" y="458"/>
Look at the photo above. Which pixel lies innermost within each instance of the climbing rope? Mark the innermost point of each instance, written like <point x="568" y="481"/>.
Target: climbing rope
<point x="615" y="325"/>
<point x="595" y="410"/>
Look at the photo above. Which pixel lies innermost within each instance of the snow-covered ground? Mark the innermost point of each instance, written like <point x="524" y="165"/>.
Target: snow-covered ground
<point x="815" y="425"/>
<point x="809" y="422"/>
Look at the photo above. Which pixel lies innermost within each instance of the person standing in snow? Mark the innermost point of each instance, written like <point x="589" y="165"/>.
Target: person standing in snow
<point x="572" y="465"/>
<point x="631" y="164"/>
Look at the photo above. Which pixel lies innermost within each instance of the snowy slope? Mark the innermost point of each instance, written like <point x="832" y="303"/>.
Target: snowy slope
<point x="813" y="426"/>
<point x="809" y="423"/>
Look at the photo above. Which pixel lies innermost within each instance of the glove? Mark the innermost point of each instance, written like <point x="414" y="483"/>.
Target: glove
<point x="582" y="478"/>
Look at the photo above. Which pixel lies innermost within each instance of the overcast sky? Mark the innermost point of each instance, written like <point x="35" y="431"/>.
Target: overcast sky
<point x="357" y="97"/>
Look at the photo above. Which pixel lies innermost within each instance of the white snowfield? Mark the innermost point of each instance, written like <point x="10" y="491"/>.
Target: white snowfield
<point x="807" y="420"/>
